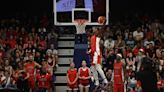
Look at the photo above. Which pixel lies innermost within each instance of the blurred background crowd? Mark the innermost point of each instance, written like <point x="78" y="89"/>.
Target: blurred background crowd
<point x="132" y="36"/>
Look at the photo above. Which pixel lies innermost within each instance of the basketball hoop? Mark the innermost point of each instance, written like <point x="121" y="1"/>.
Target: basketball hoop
<point x="81" y="21"/>
<point x="80" y="25"/>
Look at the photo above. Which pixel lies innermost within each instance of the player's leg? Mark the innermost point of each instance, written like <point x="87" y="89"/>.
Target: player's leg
<point x="115" y="88"/>
<point x="95" y="75"/>
<point x="121" y="88"/>
<point x="32" y="85"/>
<point x="101" y="72"/>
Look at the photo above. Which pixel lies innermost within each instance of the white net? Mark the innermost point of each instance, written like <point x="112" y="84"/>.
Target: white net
<point x="80" y="26"/>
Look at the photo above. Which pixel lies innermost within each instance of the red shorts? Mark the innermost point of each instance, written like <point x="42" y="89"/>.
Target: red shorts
<point x="31" y="83"/>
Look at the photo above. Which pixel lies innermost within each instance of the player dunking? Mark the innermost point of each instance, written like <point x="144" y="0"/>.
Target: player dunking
<point x="96" y="56"/>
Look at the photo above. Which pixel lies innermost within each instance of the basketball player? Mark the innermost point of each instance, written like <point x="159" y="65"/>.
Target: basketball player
<point x="118" y="75"/>
<point x="30" y="68"/>
<point x="96" y="56"/>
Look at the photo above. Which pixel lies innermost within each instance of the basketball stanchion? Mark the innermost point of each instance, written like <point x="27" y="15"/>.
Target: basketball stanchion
<point x="81" y="43"/>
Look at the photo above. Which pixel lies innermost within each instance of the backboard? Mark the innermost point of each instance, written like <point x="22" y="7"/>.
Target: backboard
<point x="66" y="11"/>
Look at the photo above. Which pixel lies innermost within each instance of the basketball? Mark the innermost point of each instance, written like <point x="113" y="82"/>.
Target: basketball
<point x="101" y="20"/>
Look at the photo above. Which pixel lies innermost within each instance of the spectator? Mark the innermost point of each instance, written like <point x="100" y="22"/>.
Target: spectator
<point x="148" y="41"/>
<point x="47" y="67"/>
<point x="120" y="44"/>
<point x="33" y="33"/>
<point x="54" y="52"/>
<point x="109" y="43"/>
<point x="132" y="83"/>
<point x="149" y="33"/>
<point x="30" y="68"/>
<point x="139" y="58"/>
<point x="110" y="57"/>
<point x="12" y="42"/>
<point x="109" y="74"/>
<point x="52" y="39"/>
<point x="21" y="78"/>
<point x="108" y="33"/>
<point x="42" y="32"/>
<point x="38" y="58"/>
<point x="8" y="67"/>
<point x="130" y="41"/>
<point x="130" y="61"/>
<point x="136" y="48"/>
<point x="159" y="50"/>
<point x="138" y="34"/>
<point x="43" y="81"/>
<point x="161" y="60"/>
<point x="2" y="78"/>
<point x="150" y="51"/>
<point x="50" y="59"/>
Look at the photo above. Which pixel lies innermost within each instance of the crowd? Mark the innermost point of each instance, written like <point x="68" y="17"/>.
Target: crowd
<point x="25" y="47"/>
<point x="134" y="43"/>
<point x="28" y="54"/>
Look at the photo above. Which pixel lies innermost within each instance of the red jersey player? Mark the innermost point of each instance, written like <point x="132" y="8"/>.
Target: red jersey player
<point x="30" y="68"/>
<point x="72" y="77"/>
<point x="118" y="75"/>
<point x="44" y="81"/>
<point x="96" y="55"/>
<point x="84" y="76"/>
